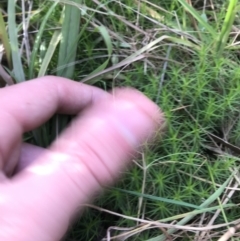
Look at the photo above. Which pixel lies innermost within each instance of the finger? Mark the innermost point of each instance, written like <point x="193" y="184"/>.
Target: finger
<point x="91" y="153"/>
<point x="28" y="154"/>
<point x="27" y="105"/>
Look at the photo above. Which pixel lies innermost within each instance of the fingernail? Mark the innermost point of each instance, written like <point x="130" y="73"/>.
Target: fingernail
<point x="126" y="132"/>
<point x="132" y="123"/>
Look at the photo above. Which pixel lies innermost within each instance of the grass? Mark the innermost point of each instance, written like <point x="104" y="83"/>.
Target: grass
<point x="181" y="54"/>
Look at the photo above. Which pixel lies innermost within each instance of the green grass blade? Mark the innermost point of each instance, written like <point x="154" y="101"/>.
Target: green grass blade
<point x="196" y="212"/>
<point x="219" y="201"/>
<point x="108" y="43"/>
<point x="38" y="40"/>
<point x="18" y="72"/>
<point x="73" y="49"/>
<point x="198" y="17"/>
<point x="37" y="134"/>
<point x="5" y="40"/>
<point x="50" y="51"/>
<point x="82" y="30"/>
<point x="161" y="199"/>
<point x="68" y="49"/>
<point x="227" y="25"/>
<point x="205" y="204"/>
<point x="93" y="78"/>
<point x="70" y="30"/>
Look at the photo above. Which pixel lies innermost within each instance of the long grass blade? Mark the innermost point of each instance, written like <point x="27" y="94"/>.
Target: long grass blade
<point x="18" y="72"/>
<point x="70" y="30"/>
<point x="5" y="41"/>
<point x="160" y="199"/>
<point x="50" y="51"/>
<point x="227" y="25"/>
<point x="73" y="49"/>
<point x="38" y="40"/>
<point x="196" y="212"/>
<point x="93" y="78"/>
<point x="108" y="43"/>
<point x="198" y="17"/>
<point x="205" y="204"/>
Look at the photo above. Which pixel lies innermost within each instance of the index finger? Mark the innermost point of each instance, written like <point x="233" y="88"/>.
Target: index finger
<point x="27" y="105"/>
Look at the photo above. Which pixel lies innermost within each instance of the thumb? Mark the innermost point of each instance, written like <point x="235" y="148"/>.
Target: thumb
<point x="91" y="153"/>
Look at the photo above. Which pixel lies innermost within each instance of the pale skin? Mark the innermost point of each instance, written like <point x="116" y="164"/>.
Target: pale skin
<point x="41" y="190"/>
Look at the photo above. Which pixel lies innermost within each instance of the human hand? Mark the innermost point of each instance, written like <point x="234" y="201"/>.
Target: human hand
<point x="50" y="185"/>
